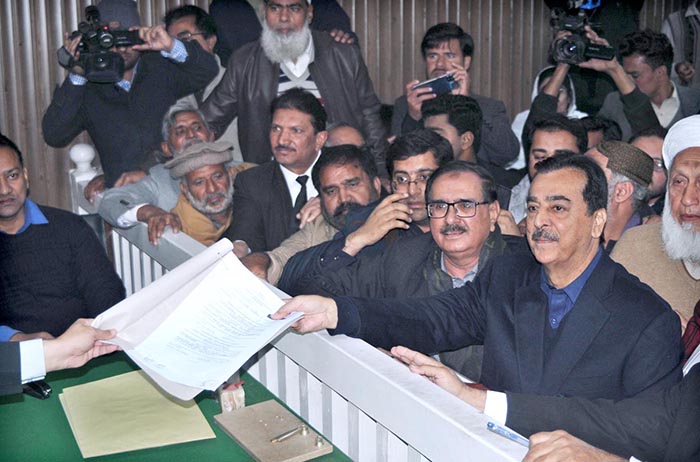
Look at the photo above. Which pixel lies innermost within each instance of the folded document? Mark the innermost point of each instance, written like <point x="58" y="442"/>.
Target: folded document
<point x="194" y="327"/>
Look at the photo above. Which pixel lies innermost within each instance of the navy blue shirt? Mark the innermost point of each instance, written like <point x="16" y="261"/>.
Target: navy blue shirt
<point x="560" y="301"/>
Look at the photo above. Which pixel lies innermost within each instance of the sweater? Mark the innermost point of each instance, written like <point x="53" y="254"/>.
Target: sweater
<point x="53" y="274"/>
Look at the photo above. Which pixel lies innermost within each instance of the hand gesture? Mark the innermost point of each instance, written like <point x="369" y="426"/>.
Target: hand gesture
<point x="309" y="212"/>
<point x="415" y="98"/>
<point x="559" y="446"/>
<point x="70" y="45"/>
<point x="94" y="187"/>
<point x="157" y="220"/>
<point x="342" y="36"/>
<point x="441" y="375"/>
<point x="685" y="72"/>
<point x="79" y="344"/>
<point x="126" y="178"/>
<point x="319" y="313"/>
<point x="155" y="38"/>
<point x="389" y="214"/>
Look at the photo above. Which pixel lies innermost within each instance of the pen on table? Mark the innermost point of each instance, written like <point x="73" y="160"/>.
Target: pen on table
<point x="303" y="429"/>
<point x="506" y="433"/>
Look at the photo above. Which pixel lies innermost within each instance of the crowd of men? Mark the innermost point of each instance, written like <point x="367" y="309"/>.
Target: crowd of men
<point x="554" y="260"/>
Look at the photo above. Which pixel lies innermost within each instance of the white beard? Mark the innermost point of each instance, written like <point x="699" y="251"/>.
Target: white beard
<point x="681" y="242"/>
<point x="281" y="47"/>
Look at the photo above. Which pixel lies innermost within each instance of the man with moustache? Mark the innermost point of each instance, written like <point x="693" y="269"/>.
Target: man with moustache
<point x="460" y="243"/>
<point x="666" y="255"/>
<point x="290" y="55"/>
<point x="346" y="179"/>
<point x="567" y="322"/>
<point x="411" y="160"/>
<point x="268" y="198"/>
<point x="650" y="141"/>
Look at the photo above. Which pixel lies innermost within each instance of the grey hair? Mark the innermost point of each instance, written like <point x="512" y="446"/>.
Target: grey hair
<point x="639" y="193"/>
<point x="175" y="110"/>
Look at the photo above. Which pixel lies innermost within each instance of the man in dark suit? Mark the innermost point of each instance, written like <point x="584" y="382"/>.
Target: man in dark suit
<point x="571" y="323"/>
<point x="267" y="198"/>
<point x="446" y="48"/>
<point x="22" y="362"/>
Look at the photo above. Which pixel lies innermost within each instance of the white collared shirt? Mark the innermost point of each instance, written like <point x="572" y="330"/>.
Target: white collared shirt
<point x="303" y="61"/>
<point x="291" y="179"/>
<point x="668" y="109"/>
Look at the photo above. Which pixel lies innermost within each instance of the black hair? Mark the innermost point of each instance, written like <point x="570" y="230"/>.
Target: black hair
<point x="463" y="113"/>
<point x="556" y="123"/>
<point x="5" y="142"/>
<point x="610" y="128"/>
<point x="203" y="20"/>
<point x="444" y="32"/>
<point x="657" y="131"/>
<point x="341" y="155"/>
<point x="488" y="184"/>
<point x="416" y="143"/>
<point x="303" y="101"/>
<point x="653" y="46"/>
<point x="595" y="193"/>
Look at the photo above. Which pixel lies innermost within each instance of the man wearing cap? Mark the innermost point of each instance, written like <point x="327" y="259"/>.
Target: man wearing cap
<point x="666" y="255"/>
<point x="124" y="118"/>
<point x="290" y="55"/>
<point x="205" y="204"/>
<point x="628" y="170"/>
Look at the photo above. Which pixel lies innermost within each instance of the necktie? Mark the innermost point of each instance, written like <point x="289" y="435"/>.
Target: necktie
<point x="300" y="200"/>
<point x="691" y="337"/>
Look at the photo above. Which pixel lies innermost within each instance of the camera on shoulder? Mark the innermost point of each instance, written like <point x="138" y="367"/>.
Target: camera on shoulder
<point x="98" y="63"/>
<point x="577" y="48"/>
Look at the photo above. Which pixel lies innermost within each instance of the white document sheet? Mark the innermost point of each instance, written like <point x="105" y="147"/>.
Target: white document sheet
<point x="194" y="327"/>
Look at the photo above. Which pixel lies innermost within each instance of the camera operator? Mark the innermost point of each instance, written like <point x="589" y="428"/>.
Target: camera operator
<point x="646" y="98"/>
<point x="124" y="118"/>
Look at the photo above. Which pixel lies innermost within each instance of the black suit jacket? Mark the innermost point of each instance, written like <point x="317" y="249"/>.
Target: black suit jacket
<point x="262" y="208"/>
<point x="10" y="378"/>
<point x="663" y="426"/>
<point x="619" y="339"/>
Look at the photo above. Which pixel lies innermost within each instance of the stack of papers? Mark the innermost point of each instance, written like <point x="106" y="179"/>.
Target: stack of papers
<point x="127" y="412"/>
<point x="193" y="328"/>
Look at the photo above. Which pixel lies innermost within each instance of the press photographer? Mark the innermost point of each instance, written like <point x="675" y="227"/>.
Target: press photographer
<point x="122" y="111"/>
<point x="646" y="98"/>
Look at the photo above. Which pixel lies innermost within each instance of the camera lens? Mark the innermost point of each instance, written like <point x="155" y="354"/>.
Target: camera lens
<point x="105" y="38"/>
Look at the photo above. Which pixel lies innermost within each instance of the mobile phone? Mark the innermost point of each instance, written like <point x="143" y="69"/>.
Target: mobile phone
<point x="439" y="85"/>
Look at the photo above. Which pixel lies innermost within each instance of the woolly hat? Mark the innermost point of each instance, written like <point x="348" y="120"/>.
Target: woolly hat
<point x="197" y="155"/>
<point x="123" y="11"/>
<point x="628" y="160"/>
<point x="683" y="134"/>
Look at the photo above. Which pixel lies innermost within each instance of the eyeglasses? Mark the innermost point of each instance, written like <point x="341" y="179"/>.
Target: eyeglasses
<point x="463" y="209"/>
<point x="405" y="181"/>
<point x="658" y="163"/>
<point x="186" y="35"/>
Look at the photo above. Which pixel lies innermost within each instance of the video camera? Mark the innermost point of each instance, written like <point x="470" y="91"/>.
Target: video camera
<point x="100" y="64"/>
<point x="576" y="48"/>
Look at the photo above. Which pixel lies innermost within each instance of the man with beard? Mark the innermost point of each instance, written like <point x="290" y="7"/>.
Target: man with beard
<point x="411" y="160"/>
<point x="346" y="179"/>
<point x="289" y="55"/>
<point x="568" y="322"/>
<point x="269" y="198"/>
<point x="666" y="255"/>
<point x="205" y="203"/>
<point x="124" y="118"/>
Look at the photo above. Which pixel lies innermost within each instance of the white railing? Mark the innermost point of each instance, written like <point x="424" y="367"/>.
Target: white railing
<point x="370" y="406"/>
